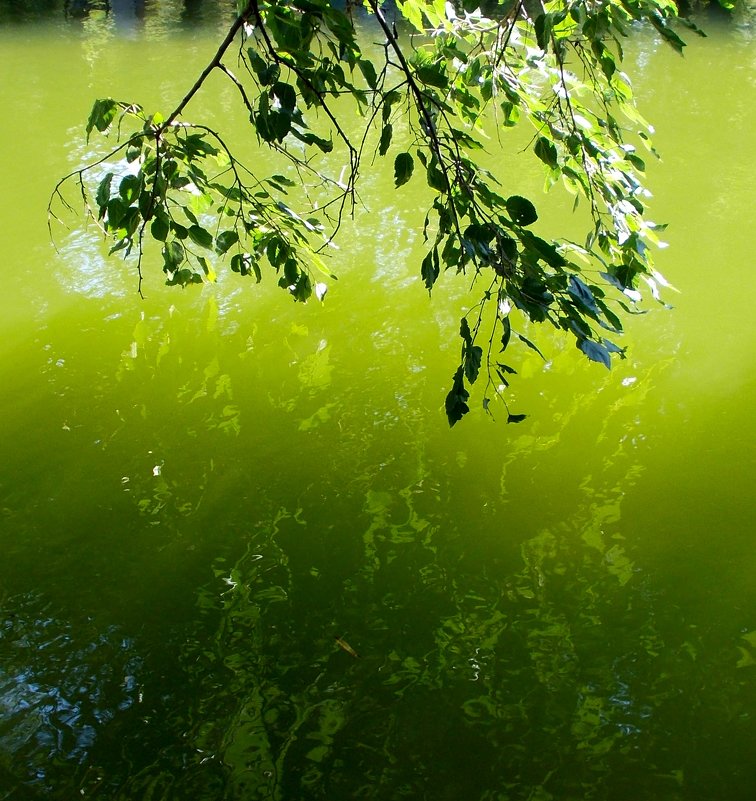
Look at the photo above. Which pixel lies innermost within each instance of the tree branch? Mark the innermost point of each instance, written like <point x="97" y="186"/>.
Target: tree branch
<point x="215" y="62"/>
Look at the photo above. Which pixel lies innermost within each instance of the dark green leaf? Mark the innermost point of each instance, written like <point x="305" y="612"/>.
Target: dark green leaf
<point x="612" y="348"/>
<point x="280" y="180"/>
<point x="280" y="125"/>
<point x="403" y="167"/>
<point x="456" y="401"/>
<point x="201" y="237"/>
<point x="225" y="240"/>
<point x="386" y="135"/>
<point x="521" y="210"/>
<point x="267" y="73"/>
<point x="543" y="30"/>
<point x="133" y="152"/>
<point x="531" y="345"/>
<point x="465" y="139"/>
<point x="511" y="114"/>
<point x="129" y="188"/>
<point x="173" y="254"/>
<point x="309" y="138"/>
<point x="285" y="94"/>
<point x="542" y="249"/>
<point x="102" y="115"/>
<point x="546" y="151"/>
<point x="103" y="193"/>
<point x="507" y="333"/>
<point x="435" y="177"/>
<point x="516" y="418"/>
<point x="473" y="360"/>
<point x="388" y="101"/>
<point x="179" y="230"/>
<point x="608" y="66"/>
<point x="582" y="294"/>
<point x="130" y="221"/>
<point x="638" y="163"/>
<point x="464" y="332"/>
<point x="244" y="263"/>
<point x="368" y="71"/>
<point x="159" y="229"/>
<point x="430" y="269"/>
<point x="432" y="75"/>
<point x="116" y="209"/>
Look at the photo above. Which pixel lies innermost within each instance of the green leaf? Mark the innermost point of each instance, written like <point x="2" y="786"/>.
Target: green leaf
<point x="608" y="66"/>
<point x="173" y="254"/>
<point x="464" y="332"/>
<point x="403" y="168"/>
<point x="386" y="134"/>
<point x="595" y="352"/>
<point x="612" y="348"/>
<point x="267" y="73"/>
<point x="116" y="209"/>
<point x="546" y="151"/>
<point x="133" y="152"/>
<point x="201" y="237"/>
<point x="511" y="114"/>
<point x="368" y="71"/>
<point x="102" y="115"/>
<point x="159" y="229"/>
<point x="285" y="94"/>
<point x="430" y="269"/>
<point x="582" y="294"/>
<point x="388" y="101"/>
<point x="432" y="75"/>
<point x="507" y="333"/>
<point x="309" y="138"/>
<point x="516" y="418"/>
<point x="669" y="35"/>
<point x="281" y="180"/>
<point x="435" y="177"/>
<point x="244" y="263"/>
<point x="179" y="230"/>
<point x="473" y="360"/>
<point x="542" y="249"/>
<point x="456" y="401"/>
<point x="225" y="240"/>
<point x="521" y="210"/>
<point x="129" y="188"/>
<point x="531" y="345"/>
<point x="636" y="161"/>
<point x="543" y="30"/>
<point x="103" y="193"/>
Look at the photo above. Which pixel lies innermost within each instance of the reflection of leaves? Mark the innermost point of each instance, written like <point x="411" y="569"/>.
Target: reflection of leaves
<point x="489" y="647"/>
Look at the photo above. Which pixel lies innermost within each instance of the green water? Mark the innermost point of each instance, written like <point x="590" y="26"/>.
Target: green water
<point x="201" y="489"/>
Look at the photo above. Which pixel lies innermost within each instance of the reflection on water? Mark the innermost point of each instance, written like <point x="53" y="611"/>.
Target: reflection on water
<point x="201" y="491"/>
<point x="60" y="685"/>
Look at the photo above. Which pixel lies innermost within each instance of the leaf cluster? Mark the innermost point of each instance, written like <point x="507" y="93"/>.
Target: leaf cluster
<point x="554" y="67"/>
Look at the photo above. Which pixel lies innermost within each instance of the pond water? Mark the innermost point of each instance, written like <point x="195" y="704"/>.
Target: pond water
<point x="201" y="490"/>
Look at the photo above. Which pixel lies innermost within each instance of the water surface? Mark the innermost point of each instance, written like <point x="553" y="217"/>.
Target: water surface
<point x="202" y="489"/>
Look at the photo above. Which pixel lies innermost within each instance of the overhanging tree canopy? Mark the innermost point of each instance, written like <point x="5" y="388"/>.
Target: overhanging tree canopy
<point x="446" y="70"/>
